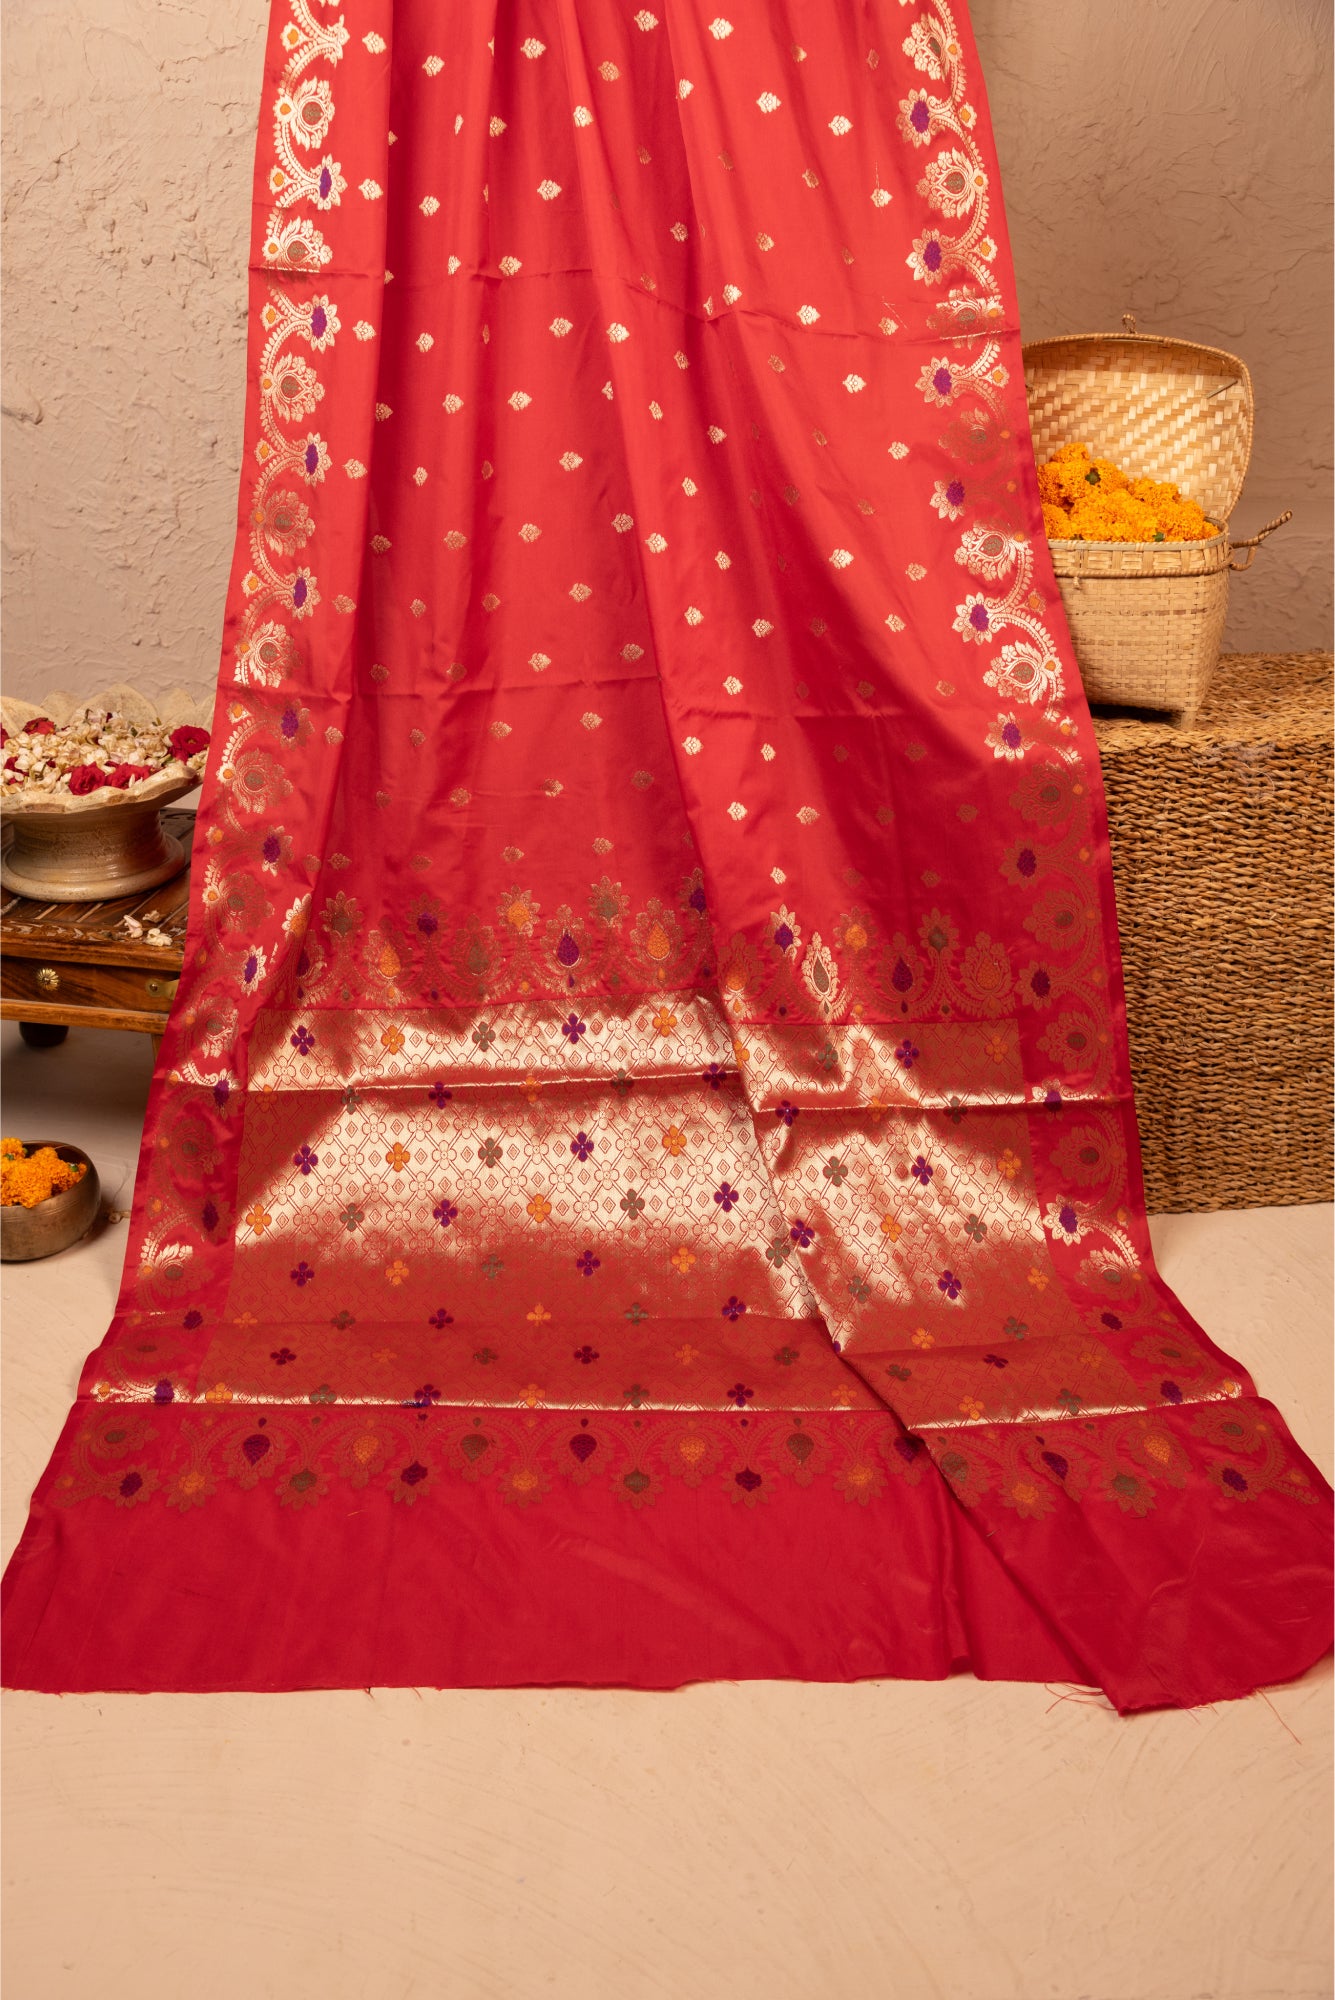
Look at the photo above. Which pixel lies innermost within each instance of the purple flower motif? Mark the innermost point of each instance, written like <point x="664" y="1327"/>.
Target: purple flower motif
<point x="949" y="1284"/>
<point x="423" y="1398"/>
<point x="955" y="493"/>
<point x="931" y="254"/>
<point x="740" y="1394"/>
<point x="906" y="1053"/>
<point x="303" y="1273"/>
<point x="208" y="1215"/>
<point x="1111" y="1320"/>
<point x="427" y="924"/>
<point x="783" y="937"/>
<point x="414" y="1474"/>
<point x="1170" y="1392"/>
<point x="714" y="1075"/>
<point x="319" y="321"/>
<point x="445" y="1212"/>
<point x="567" y="951"/>
<point x="302" y="1040"/>
<point x="726" y="1197"/>
<point x="734" y="1307"/>
<point x="802" y="1234"/>
<point x="192" y="1320"/>
<point x="1040" y="983"/>
<point x="996" y="1361"/>
<point x="920" y="117"/>
<point x="163" y="1392"/>
<point x="786" y="1112"/>
<point x="441" y="1318"/>
<point x="581" y="1145"/>
<point x="282" y="1355"/>
<point x="1233" y="1479"/>
<point x="586" y="1354"/>
<point x="250" y="970"/>
<point x="289" y="722"/>
<point x="439" y="1095"/>
<point x="981" y="621"/>
<point x="222" y="1090"/>
<point x="1011" y="733"/>
<point x="1026" y="862"/>
<point x="305" y="1159"/>
<point x="747" y="1479"/>
<point x="921" y="1172"/>
<point x="1055" y="1463"/>
<point x="573" y="1029"/>
<point x="130" y="1485"/>
<point x="696" y="901"/>
<point x="943" y="381"/>
<point x="586" y="1263"/>
<point x="271" y="848"/>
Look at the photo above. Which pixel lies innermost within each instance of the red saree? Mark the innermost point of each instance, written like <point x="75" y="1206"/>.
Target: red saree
<point x="641" y="1183"/>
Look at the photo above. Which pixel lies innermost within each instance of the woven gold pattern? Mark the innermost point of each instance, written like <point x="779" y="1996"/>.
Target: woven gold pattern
<point x="1221" y="840"/>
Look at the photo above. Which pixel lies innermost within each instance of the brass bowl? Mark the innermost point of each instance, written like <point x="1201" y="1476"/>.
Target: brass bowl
<point x="58" y="1221"/>
<point x="96" y="848"/>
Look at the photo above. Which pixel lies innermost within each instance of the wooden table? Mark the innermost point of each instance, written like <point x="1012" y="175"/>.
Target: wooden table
<point x="74" y="965"/>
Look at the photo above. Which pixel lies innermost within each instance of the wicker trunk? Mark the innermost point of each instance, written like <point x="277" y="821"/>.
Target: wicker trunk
<point x="1221" y="838"/>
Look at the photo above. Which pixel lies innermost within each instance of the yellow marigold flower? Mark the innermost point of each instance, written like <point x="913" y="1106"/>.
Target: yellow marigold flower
<point x="1091" y="499"/>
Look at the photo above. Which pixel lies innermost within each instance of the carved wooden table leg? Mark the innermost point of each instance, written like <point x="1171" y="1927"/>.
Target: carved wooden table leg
<point x="43" y="1034"/>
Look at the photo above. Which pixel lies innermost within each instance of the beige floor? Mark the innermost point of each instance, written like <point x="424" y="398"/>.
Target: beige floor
<point x="753" y="1842"/>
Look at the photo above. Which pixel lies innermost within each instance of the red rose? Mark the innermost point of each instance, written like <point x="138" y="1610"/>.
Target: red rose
<point x="125" y="774"/>
<point x="187" y="741"/>
<point x="41" y="725"/>
<point x="85" y="778"/>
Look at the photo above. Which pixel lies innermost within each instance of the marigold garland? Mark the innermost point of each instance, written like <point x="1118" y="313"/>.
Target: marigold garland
<point x="27" y="1178"/>
<point x="1088" y="499"/>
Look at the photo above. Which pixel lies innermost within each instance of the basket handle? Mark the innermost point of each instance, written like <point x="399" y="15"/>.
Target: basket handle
<point x="1253" y="542"/>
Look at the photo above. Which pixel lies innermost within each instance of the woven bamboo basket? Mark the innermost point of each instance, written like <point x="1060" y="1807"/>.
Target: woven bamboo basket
<point x="1147" y="619"/>
<point x="1221" y="842"/>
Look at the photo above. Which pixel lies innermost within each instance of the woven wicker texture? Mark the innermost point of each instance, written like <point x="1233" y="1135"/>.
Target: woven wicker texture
<point x="1146" y="619"/>
<point x="1221" y="840"/>
<point x="1162" y="409"/>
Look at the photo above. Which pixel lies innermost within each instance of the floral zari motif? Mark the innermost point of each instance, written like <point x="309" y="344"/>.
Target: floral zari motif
<point x="652" y="1039"/>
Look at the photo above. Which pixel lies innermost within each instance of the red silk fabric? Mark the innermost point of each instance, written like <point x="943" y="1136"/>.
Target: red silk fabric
<point x="642" y="1182"/>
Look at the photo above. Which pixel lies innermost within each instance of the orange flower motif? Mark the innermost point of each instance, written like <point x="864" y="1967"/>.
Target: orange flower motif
<point x="741" y="1053"/>
<point x="531" y="1087"/>
<point x="392" y="1038"/>
<point x="682" y="1258"/>
<point x="539" y="1208"/>
<point x="1009" y="1164"/>
<point x="686" y="1355"/>
<point x="665" y="1022"/>
<point x="1038" y="1279"/>
<point x="891" y="1228"/>
<point x="970" y="1406"/>
<point x="244" y="1319"/>
<point x="995" y="1048"/>
<point x="259" y="1219"/>
<point x="397" y="1157"/>
<point x="396" y="1272"/>
<point x="922" y="1338"/>
<point x="532" y="1395"/>
<point x="219" y="1393"/>
<point x="674" y="1139"/>
<point x="842" y="1396"/>
<point x="539" y="1315"/>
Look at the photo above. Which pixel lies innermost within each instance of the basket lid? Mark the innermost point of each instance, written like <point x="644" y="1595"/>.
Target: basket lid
<point x="1163" y="409"/>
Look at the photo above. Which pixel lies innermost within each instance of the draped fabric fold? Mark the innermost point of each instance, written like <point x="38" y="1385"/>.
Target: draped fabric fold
<point x="642" y="1179"/>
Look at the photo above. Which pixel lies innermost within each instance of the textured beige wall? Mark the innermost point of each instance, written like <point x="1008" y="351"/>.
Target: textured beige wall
<point x="1165" y="155"/>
